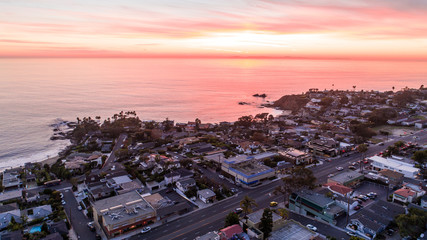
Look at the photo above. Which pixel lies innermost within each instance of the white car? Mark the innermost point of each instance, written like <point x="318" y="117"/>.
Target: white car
<point x="63" y="202"/>
<point x="79" y="208"/>
<point x="339" y="168"/>
<point x="221" y="176"/>
<point x="311" y="227"/>
<point x="146" y="229"/>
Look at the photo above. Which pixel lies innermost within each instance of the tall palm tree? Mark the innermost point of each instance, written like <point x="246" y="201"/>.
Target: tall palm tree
<point x="392" y="88"/>
<point x="246" y="204"/>
<point x="354" y="88"/>
<point x="362" y="148"/>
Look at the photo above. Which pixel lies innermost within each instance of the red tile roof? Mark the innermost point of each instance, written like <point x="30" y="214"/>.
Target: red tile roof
<point x="336" y="187"/>
<point x="405" y="192"/>
<point x="228" y="232"/>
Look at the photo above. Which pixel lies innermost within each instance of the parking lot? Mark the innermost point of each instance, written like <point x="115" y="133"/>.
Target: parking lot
<point x="367" y="187"/>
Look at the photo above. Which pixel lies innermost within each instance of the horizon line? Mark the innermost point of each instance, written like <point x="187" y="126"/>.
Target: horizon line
<point x="230" y="57"/>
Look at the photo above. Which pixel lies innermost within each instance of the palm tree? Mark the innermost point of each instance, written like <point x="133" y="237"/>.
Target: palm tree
<point x="362" y="148"/>
<point x="392" y="88"/>
<point x="246" y="204"/>
<point x="283" y="212"/>
<point x="354" y="88"/>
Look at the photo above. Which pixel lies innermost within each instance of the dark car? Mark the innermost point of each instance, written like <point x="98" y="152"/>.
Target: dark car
<point x="91" y="226"/>
<point x="238" y="210"/>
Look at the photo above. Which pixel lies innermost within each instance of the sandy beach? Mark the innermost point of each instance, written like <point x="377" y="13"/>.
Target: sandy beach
<point x="50" y="160"/>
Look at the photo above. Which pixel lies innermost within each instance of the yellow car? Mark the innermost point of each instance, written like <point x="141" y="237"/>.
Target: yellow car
<point x="273" y="204"/>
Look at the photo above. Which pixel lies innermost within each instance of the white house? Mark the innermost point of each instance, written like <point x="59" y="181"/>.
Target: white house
<point x="185" y="185"/>
<point x="206" y="195"/>
<point x="407" y="169"/>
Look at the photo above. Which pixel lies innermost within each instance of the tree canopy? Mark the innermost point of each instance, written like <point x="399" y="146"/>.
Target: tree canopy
<point x="413" y="223"/>
<point x="266" y="225"/>
<point x="231" y="219"/>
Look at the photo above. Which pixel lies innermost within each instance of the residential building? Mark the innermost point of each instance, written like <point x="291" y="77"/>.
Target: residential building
<point x="206" y="195"/>
<point x="38" y="212"/>
<point x="421" y="124"/>
<point x="123" y="213"/>
<point x="374" y="218"/>
<point x="254" y="220"/>
<point x="7" y="212"/>
<point x="228" y="232"/>
<point x="315" y="205"/>
<point x="11" y="180"/>
<point x="10" y="195"/>
<point x="404" y="195"/>
<point x="295" y="156"/>
<point x="174" y="176"/>
<point x="185" y="184"/>
<point x="407" y="169"/>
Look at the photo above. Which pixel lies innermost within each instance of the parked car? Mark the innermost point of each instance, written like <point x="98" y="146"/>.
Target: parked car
<point x="146" y="229"/>
<point x="311" y="227"/>
<point x="352" y="167"/>
<point x="371" y="195"/>
<point x="63" y="202"/>
<point x="331" y="175"/>
<point x="357" y="207"/>
<point x="79" y="208"/>
<point x="350" y="233"/>
<point x="273" y="204"/>
<point x="91" y="226"/>
<point x="221" y="176"/>
<point x="238" y="210"/>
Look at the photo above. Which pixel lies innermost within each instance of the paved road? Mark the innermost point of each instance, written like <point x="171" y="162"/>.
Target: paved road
<point x="322" y="171"/>
<point x="209" y="219"/>
<point x="77" y="218"/>
<point x="112" y="158"/>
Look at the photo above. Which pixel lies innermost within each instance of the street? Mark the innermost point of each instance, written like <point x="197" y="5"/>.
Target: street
<point x="77" y="218"/>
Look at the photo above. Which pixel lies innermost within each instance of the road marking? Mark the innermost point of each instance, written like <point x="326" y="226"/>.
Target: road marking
<point x="197" y="233"/>
<point x="203" y="215"/>
<point x="165" y="230"/>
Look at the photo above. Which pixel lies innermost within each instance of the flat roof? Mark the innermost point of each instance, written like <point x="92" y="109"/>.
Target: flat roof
<point x="314" y="197"/>
<point x="346" y="176"/>
<point x="294" y="152"/>
<point x="250" y="170"/>
<point x="292" y="231"/>
<point x="238" y="159"/>
<point x="122" y="208"/>
<point x="394" y="164"/>
<point x="255" y="217"/>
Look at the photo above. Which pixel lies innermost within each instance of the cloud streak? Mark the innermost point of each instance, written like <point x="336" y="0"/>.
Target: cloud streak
<point x="175" y="25"/>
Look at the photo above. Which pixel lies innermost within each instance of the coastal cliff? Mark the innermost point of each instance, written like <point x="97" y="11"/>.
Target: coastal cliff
<point x="291" y="102"/>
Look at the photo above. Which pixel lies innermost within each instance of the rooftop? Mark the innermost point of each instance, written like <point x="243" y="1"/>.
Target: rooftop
<point x="292" y="231"/>
<point x="255" y="217"/>
<point x="346" y="176"/>
<point x="206" y="193"/>
<point x="123" y="207"/>
<point x="391" y="163"/>
<point x="250" y="169"/>
<point x="319" y="199"/>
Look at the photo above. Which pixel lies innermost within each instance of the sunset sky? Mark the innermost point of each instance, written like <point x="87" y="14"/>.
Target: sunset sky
<point x="372" y="29"/>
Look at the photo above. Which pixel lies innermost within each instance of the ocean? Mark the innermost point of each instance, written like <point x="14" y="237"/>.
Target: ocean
<point x="36" y="93"/>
